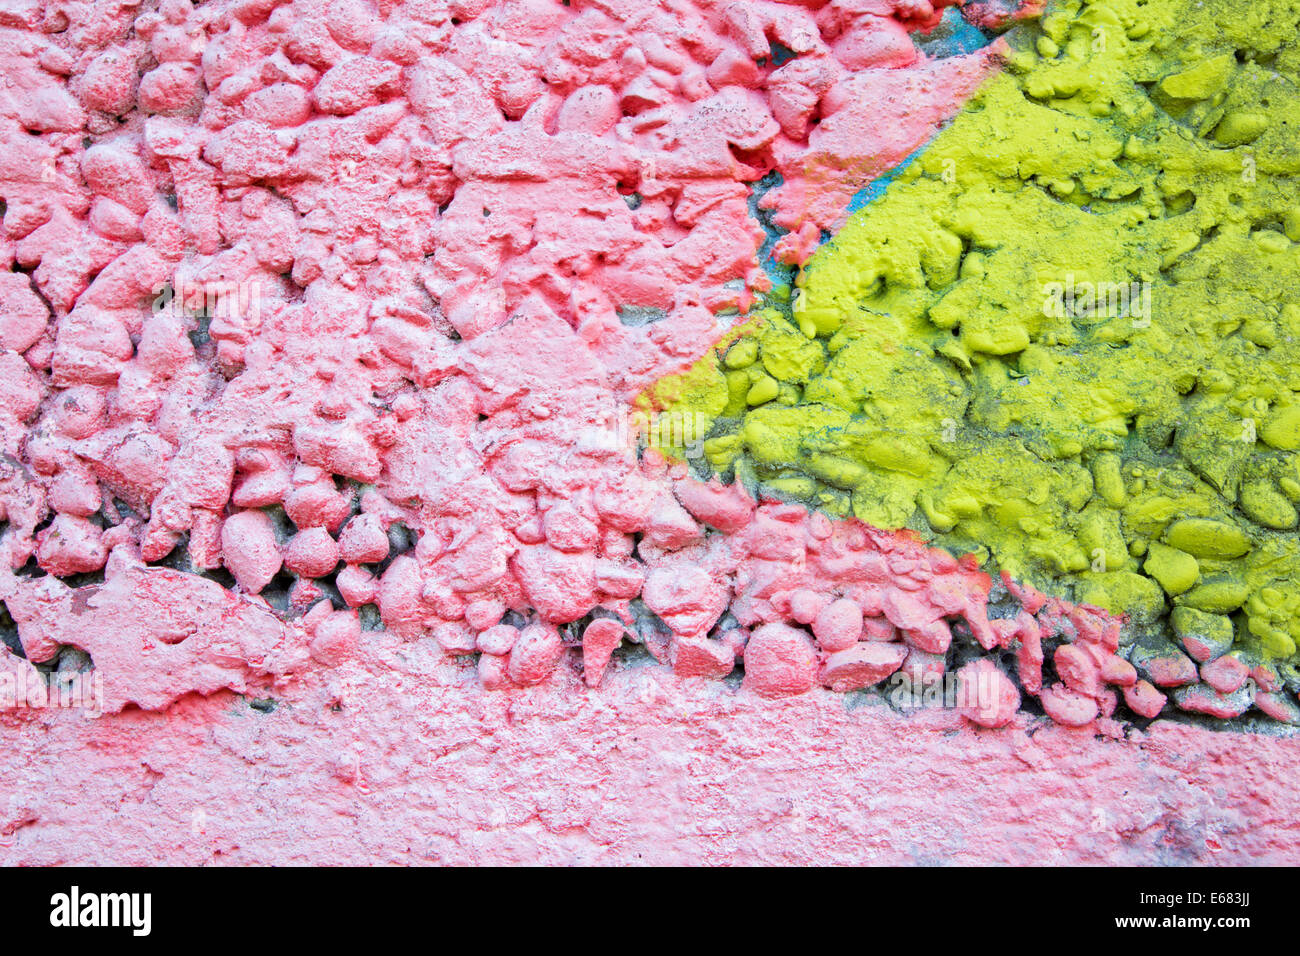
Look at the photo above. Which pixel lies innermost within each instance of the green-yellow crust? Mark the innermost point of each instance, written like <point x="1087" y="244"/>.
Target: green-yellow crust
<point x="932" y="371"/>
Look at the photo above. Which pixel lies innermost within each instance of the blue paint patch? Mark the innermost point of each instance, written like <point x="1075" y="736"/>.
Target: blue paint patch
<point x="781" y="274"/>
<point x="876" y="188"/>
<point x="781" y="54"/>
<point x="952" y="37"/>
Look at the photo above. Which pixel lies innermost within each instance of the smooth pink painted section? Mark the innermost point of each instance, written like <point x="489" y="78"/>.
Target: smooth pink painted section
<point x="421" y="765"/>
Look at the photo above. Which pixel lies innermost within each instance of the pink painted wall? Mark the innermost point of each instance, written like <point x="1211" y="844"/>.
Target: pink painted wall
<point x="422" y="766"/>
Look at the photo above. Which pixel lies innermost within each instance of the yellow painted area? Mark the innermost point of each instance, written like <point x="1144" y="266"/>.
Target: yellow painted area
<point x="1067" y="337"/>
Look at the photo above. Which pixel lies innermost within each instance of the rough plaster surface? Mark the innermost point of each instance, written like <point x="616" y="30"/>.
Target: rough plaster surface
<point x="650" y="769"/>
<point x="326" y="309"/>
<point x="436" y="336"/>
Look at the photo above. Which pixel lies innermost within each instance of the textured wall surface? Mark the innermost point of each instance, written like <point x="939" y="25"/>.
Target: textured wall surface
<point x="337" y="524"/>
<point x="650" y="769"/>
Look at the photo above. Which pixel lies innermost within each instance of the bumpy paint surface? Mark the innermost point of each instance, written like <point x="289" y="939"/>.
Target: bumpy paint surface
<point x="398" y="184"/>
<point x="1067" y="337"/>
<point x="328" y="313"/>
<point x="318" y="328"/>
